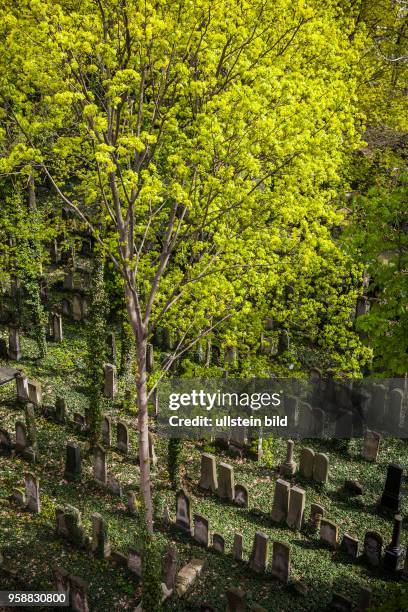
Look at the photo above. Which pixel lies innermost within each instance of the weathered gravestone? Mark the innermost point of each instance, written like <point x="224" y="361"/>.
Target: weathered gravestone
<point x="5" y="443"/>
<point x="21" y="387"/>
<point x="183" y="511"/>
<point x="281" y="498"/>
<point x="376" y="414"/>
<point x="307" y="457"/>
<point x="73" y="462"/>
<point x="391" y="497"/>
<point x="99" y="465"/>
<point x="32" y="491"/>
<point x="106" y="429"/>
<point x="69" y="526"/>
<point x="187" y="575"/>
<point x="329" y="533"/>
<point x="236" y="600"/>
<point x="61" y="581"/>
<point x="259" y="554"/>
<point x="14" y="343"/>
<point x="288" y="468"/>
<point x="371" y="445"/>
<point x="122" y="437"/>
<point x="34" y="393"/>
<point x="296" y="510"/>
<point x="77" y="311"/>
<point x="321" y="468"/>
<point x="349" y="546"/>
<point x="111" y="347"/>
<point x="79" y="590"/>
<point x="218" y="542"/>
<point x="56" y="324"/>
<point x="241" y="496"/>
<point x="170" y="567"/>
<point x="110" y="380"/>
<point x="21" y="436"/>
<point x="208" y="477"/>
<point x="201" y="529"/>
<point x="100" y="539"/>
<point x="394" y="552"/>
<point x="79" y="422"/>
<point x="60" y="410"/>
<point x="237" y="547"/>
<point x="226" y="486"/>
<point x="281" y="561"/>
<point x="372" y="551"/>
<point x="135" y="562"/>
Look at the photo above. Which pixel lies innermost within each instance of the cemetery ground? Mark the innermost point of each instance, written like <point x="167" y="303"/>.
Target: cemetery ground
<point x="30" y="546"/>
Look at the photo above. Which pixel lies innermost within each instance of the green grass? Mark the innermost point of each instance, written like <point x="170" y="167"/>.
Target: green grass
<point x="31" y="547"/>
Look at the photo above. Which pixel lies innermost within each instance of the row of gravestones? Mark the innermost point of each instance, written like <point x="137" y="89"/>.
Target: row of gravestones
<point x="222" y="482"/>
<point x="311" y="465"/>
<point x="258" y="561"/>
<point x="122" y="438"/>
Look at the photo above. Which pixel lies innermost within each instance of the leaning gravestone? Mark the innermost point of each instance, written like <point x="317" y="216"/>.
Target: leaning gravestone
<point x="208" y="478"/>
<point x="372" y="551"/>
<point x="281" y="498"/>
<point x="201" y="529"/>
<point x="183" y="511"/>
<point x="73" y="462"/>
<point x="32" y="490"/>
<point x="307" y="457"/>
<point x="391" y="497"/>
<point x="99" y="465"/>
<point x="281" y="561"/>
<point x="259" y="554"/>
<point x="226" y="486"/>
<point x="100" y="539"/>
<point x="371" y="445"/>
<point x="296" y="508"/>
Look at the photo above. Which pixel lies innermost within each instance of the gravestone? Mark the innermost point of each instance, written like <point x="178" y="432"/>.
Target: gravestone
<point x="79" y="590"/>
<point x="183" y="511"/>
<point x="241" y="496"/>
<point x="237" y="547"/>
<point x="321" y="468"/>
<point x="68" y="282"/>
<point x="106" y="429"/>
<point x="376" y="414"/>
<point x="297" y="500"/>
<point x="79" y="422"/>
<point x="391" y="497"/>
<point x="111" y="347"/>
<point x="73" y="462"/>
<point x="394" y="552"/>
<point x="114" y="485"/>
<point x="21" y="387"/>
<point x="170" y="567"/>
<point x="69" y="526"/>
<point x="21" y="436"/>
<point x="307" y="457"/>
<point x="122" y="437"/>
<point x="60" y="410"/>
<point x="5" y="443"/>
<point x="288" y="468"/>
<point x="100" y="539"/>
<point x="316" y="509"/>
<point x="371" y="445"/>
<point x="372" y="550"/>
<point x="236" y="600"/>
<point x="218" y="542"/>
<point x="281" y="561"/>
<point x="318" y="422"/>
<point x="132" y="502"/>
<point x="226" y="485"/>
<point x="77" y="313"/>
<point x="110" y="380"/>
<point x="34" y="393"/>
<point x="99" y="465"/>
<point x="208" y="477"/>
<point x="201" y="529"/>
<point x="349" y="546"/>
<point x="329" y="533"/>
<point x="291" y="410"/>
<point x="395" y="411"/>
<point x="61" y="581"/>
<point x="14" y="343"/>
<point x="258" y="559"/>
<point x="32" y="491"/>
<point x="57" y="332"/>
<point x="135" y="562"/>
<point x="66" y="308"/>
<point x="187" y="575"/>
<point x="281" y="498"/>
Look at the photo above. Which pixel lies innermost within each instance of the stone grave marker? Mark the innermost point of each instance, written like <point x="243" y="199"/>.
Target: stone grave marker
<point x="14" y="343"/>
<point x="321" y="468"/>
<point x="60" y="410"/>
<point x="241" y="496"/>
<point x="349" y="546"/>
<point x="21" y="387"/>
<point x="201" y="529"/>
<point x="106" y="429"/>
<point x="391" y="497"/>
<point x="132" y="502"/>
<point x="114" y="486"/>
<point x="218" y="542"/>
<point x="61" y="581"/>
<point x="111" y="346"/>
<point x="99" y="465"/>
<point x="170" y="559"/>
<point x="208" y="477"/>
<point x="5" y="443"/>
<point x="57" y="331"/>
<point x="307" y="457"/>
<point x="183" y="511"/>
<point x="34" y="393"/>
<point x="21" y="436"/>
<point x="79" y="590"/>
<point x="77" y="307"/>
<point x="110" y="380"/>
<point x="372" y="551"/>
<point x="329" y="533"/>
<point x="259" y="554"/>
<point x="288" y="468"/>
<point x="187" y="575"/>
<point x="394" y="552"/>
<point x="237" y="547"/>
<point x="226" y="486"/>
<point x="122" y="437"/>
<point x="73" y="462"/>
<point x="378" y="405"/>
<point x="281" y="498"/>
<point x="296" y="508"/>
<point x="79" y="422"/>
<point x="32" y="491"/>
<point x="371" y="445"/>
<point x="281" y="561"/>
<point x="100" y="539"/>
